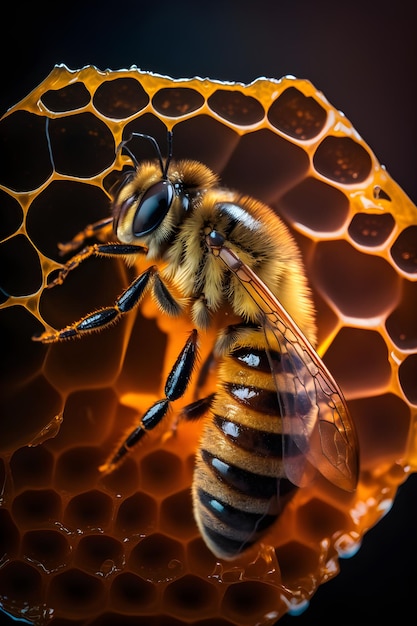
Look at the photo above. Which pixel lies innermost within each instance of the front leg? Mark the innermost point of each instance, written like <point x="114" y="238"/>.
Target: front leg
<point x="97" y="249"/>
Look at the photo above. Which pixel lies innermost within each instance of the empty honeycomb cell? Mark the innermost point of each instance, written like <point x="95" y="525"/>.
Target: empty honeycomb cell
<point x="37" y="508"/>
<point x="23" y="134"/>
<point x="76" y="593"/>
<point x="62" y="210"/>
<point x="120" y="98"/>
<point x="369" y="229"/>
<point x="201" y="560"/>
<point x="21" y="582"/>
<point x="11" y="215"/>
<point x="158" y="558"/>
<point x="278" y="166"/>
<point x="219" y="142"/>
<point x="359" y="361"/>
<point x="404" y="250"/>
<point x="382" y="424"/>
<point x="77" y="468"/>
<point x="100" y="554"/>
<point x="90" y="412"/>
<point x="342" y="160"/>
<point x="176" y="102"/>
<point x="236" y="107"/>
<point x="136" y="516"/>
<point x="20" y="268"/>
<point x="89" y="510"/>
<point x="177" y="515"/>
<point x="16" y="433"/>
<point x="401" y="324"/>
<point x="295" y="561"/>
<point x="9" y="538"/>
<point x="360" y="285"/>
<point x="300" y="205"/>
<point x="131" y="594"/>
<point x="83" y="146"/>
<point x="161" y="472"/>
<point x="189" y="595"/>
<point x="408" y="378"/>
<point x="18" y="325"/>
<point x="317" y="519"/>
<point x="246" y="603"/>
<point x="68" y="98"/>
<point x="48" y="549"/>
<point x="297" y="115"/>
<point x="32" y="467"/>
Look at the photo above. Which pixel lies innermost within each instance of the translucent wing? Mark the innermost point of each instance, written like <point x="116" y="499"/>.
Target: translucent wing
<point x="315" y="417"/>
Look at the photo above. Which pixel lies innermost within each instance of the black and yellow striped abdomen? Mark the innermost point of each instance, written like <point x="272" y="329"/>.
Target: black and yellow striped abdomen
<point x="239" y="485"/>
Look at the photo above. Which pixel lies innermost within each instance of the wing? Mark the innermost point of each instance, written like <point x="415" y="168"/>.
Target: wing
<point x="315" y="416"/>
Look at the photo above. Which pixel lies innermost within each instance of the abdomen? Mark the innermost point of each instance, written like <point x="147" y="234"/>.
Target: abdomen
<point x="239" y="485"/>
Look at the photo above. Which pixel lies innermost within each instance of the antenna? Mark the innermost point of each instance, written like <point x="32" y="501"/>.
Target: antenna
<point x="164" y="169"/>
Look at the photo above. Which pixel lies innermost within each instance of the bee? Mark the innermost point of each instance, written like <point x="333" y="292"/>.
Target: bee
<point x="277" y="415"/>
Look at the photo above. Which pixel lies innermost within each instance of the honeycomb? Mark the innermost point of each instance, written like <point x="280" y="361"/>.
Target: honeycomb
<point x="80" y="547"/>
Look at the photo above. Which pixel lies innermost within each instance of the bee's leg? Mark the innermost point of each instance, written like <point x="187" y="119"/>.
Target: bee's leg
<point x="97" y="249"/>
<point x="92" y="230"/>
<point x="175" y="386"/>
<point x="106" y="316"/>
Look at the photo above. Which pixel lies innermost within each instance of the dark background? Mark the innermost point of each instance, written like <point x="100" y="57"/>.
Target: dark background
<point x="363" y="56"/>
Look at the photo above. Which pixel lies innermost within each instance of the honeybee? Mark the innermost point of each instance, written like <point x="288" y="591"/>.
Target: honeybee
<point x="277" y="415"/>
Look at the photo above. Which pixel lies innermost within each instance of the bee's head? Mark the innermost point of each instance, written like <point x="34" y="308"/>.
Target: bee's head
<point x="145" y="195"/>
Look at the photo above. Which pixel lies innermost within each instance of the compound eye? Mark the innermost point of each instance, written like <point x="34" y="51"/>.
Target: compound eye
<point x="153" y="207"/>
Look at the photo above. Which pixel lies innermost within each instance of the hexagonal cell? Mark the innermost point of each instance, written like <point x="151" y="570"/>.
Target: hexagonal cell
<point x="18" y="254"/>
<point x="317" y="520"/>
<point x="161" y="472"/>
<point x="296" y="562"/>
<point x="68" y="98"/>
<point x="342" y="160"/>
<point x="132" y="594"/>
<point x="32" y="467"/>
<point x="246" y="603"/>
<point x="76" y="593"/>
<point x="401" y="323"/>
<point x="20" y="582"/>
<point x="407" y="374"/>
<point x="120" y="97"/>
<point x="37" y="508"/>
<point x="404" y="250"/>
<point x="278" y="167"/>
<point x="9" y="537"/>
<point x="177" y="101"/>
<point x="371" y="229"/>
<point x="33" y="415"/>
<point x="48" y="549"/>
<point x="100" y="555"/>
<point x="297" y="115"/>
<point x="315" y="205"/>
<point x="177" y="515"/>
<point x="383" y="424"/>
<point x="92" y="509"/>
<point x="360" y="285"/>
<point x="234" y="106"/>
<point x="77" y="468"/>
<point x="137" y="515"/>
<point x="82" y="145"/>
<point x="28" y="133"/>
<point x="158" y="558"/>
<point x="201" y="560"/>
<point x="358" y="359"/>
<point x="191" y="597"/>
